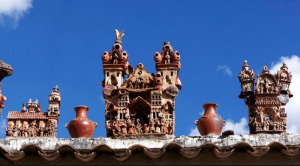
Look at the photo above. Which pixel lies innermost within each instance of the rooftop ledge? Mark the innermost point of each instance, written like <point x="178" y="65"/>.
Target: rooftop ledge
<point x="48" y="143"/>
<point x="154" y="147"/>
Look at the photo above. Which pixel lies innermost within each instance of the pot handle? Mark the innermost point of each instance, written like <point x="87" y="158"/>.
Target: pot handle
<point x="67" y="125"/>
<point x="96" y="124"/>
<point x="196" y="122"/>
<point x="224" y="122"/>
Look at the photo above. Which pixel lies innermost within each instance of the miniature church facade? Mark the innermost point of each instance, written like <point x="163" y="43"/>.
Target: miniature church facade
<point x="32" y="122"/>
<point x="144" y="103"/>
<point x="266" y="101"/>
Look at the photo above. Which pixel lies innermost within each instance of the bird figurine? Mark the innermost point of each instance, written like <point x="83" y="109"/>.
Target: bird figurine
<point x="119" y="35"/>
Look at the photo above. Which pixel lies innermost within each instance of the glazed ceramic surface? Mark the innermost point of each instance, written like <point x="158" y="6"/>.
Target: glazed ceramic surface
<point x="210" y="123"/>
<point x="81" y="126"/>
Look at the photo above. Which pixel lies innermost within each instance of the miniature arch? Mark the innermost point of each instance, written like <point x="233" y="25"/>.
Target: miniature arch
<point x="139" y="107"/>
<point x="168" y="109"/>
<point x="266" y="77"/>
<point x="269" y="113"/>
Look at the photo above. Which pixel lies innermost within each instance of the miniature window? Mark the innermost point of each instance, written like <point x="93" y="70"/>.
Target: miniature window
<point x="107" y="74"/>
<point x="108" y="117"/>
<point x="168" y="115"/>
<point x="118" y="74"/>
<point x="171" y="73"/>
<point x="162" y="73"/>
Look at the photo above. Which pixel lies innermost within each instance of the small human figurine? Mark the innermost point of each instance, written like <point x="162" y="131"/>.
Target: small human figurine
<point x="146" y="128"/>
<point x="162" y="125"/>
<point x="123" y="126"/>
<point x="130" y="84"/>
<point x="168" y="79"/>
<point x="142" y="84"/>
<point x="116" y="128"/>
<point x="139" y="126"/>
<point x="146" y="83"/>
<point x="131" y="127"/>
<point x="116" y="57"/>
<point x="2" y="99"/>
<point x="157" y="124"/>
<point x="261" y="87"/>
<point x="167" y="58"/>
<point x="33" y="124"/>
<point x="166" y="126"/>
<point x="152" y="128"/>
<point x="15" y="131"/>
<point x="171" y="127"/>
<point x="9" y="130"/>
<point x="107" y="125"/>
<point x="41" y="131"/>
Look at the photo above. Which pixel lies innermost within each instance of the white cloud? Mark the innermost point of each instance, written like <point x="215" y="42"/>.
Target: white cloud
<point x="293" y="107"/>
<point x="239" y="128"/>
<point x="2" y="127"/>
<point x="194" y="132"/>
<point x="12" y="10"/>
<point x="225" y="68"/>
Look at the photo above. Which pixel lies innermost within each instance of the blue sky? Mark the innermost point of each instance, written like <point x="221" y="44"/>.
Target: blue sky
<point x="61" y="42"/>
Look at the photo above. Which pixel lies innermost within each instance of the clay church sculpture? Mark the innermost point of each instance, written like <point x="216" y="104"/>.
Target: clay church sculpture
<point x="32" y="122"/>
<point x="144" y="103"/>
<point x="266" y="102"/>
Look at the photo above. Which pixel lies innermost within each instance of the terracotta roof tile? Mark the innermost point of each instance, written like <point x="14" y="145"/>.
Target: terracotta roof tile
<point x="26" y="115"/>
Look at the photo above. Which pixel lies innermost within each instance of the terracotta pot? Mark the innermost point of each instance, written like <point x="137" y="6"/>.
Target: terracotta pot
<point x="81" y="126"/>
<point x="210" y="123"/>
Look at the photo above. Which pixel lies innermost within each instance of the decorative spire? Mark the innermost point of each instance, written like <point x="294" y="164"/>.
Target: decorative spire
<point x="265" y="70"/>
<point x="284" y="67"/>
<point x="245" y="66"/>
<point x="38" y="108"/>
<point x="24" y="108"/>
<point x="56" y="88"/>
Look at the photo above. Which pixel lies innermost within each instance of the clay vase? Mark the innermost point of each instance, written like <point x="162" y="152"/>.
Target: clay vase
<point x="81" y="126"/>
<point x="210" y="123"/>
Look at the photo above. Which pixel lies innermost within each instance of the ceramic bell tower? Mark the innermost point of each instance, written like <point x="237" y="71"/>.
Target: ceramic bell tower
<point x="267" y="100"/>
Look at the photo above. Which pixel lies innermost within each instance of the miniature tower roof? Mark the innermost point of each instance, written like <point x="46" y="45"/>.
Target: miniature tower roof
<point x="56" y="88"/>
<point x="284" y="67"/>
<point x="265" y="70"/>
<point x="245" y="66"/>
